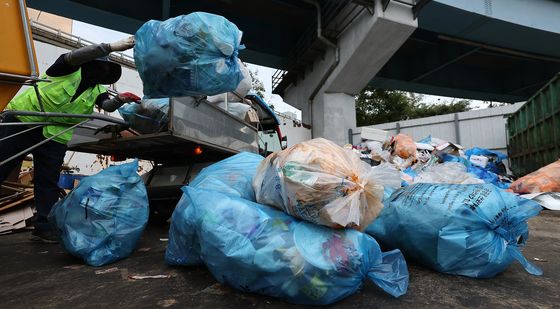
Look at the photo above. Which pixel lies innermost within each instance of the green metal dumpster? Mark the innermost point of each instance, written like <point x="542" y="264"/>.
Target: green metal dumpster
<point x="534" y="130"/>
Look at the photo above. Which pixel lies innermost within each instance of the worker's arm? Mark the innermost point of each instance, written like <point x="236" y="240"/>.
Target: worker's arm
<point x="112" y="104"/>
<point x="71" y="62"/>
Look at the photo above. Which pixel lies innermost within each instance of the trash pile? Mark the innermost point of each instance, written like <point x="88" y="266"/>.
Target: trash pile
<point x="304" y="223"/>
<point x="102" y="219"/>
<point x="256" y="248"/>
<point x="433" y="160"/>
<point x="188" y="55"/>
<point x="296" y="233"/>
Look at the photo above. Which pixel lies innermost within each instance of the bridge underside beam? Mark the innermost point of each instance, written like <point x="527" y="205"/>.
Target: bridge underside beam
<point x="435" y="64"/>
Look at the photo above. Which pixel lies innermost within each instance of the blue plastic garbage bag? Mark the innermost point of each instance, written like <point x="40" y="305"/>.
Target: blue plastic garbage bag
<point x="489" y="177"/>
<point x="102" y="219"/>
<point x="232" y="176"/>
<point x="188" y="55"/>
<point x="256" y="248"/>
<point x="496" y="158"/>
<point x="150" y="116"/>
<point x="470" y="230"/>
<point x="445" y="157"/>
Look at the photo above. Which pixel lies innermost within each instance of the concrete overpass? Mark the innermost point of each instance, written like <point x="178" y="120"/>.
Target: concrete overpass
<point x="328" y="50"/>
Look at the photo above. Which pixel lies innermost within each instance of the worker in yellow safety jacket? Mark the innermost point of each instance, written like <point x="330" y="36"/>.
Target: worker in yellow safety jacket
<point x="75" y="87"/>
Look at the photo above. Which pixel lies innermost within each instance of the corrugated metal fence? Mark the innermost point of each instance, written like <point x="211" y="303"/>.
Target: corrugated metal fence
<point x="482" y="128"/>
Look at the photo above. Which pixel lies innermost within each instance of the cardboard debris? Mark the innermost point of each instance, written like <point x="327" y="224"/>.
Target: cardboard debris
<point x="12" y="220"/>
<point x="374" y="134"/>
<point x="450" y="148"/>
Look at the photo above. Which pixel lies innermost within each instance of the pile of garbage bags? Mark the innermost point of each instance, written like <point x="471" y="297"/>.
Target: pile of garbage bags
<point x="188" y="55"/>
<point x="320" y="182"/>
<point x="102" y="219"/>
<point x="256" y="248"/>
<point x="150" y="116"/>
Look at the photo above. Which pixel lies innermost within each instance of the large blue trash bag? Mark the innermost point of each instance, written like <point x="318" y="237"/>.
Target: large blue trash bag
<point x="102" y="219"/>
<point x="232" y="176"/>
<point x="188" y="55"/>
<point x="470" y="230"/>
<point x="495" y="157"/>
<point x="150" y="116"/>
<point x="256" y="248"/>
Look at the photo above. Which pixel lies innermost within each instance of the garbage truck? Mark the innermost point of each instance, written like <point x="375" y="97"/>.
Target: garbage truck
<point x="198" y="134"/>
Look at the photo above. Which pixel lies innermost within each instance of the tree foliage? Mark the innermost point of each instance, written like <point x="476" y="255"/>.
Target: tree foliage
<point x="256" y="84"/>
<point x="375" y="106"/>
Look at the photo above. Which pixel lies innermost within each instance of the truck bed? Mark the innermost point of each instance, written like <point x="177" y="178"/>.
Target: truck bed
<point x="191" y="123"/>
<point x="41" y="275"/>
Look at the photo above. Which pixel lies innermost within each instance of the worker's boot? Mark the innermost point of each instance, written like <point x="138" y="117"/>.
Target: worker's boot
<point x="43" y="231"/>
<point x="44" y="236"/>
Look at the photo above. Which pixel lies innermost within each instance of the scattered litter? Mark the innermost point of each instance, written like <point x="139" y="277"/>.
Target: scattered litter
<point x="124" y="273"/>
<point x="142" y="277"/>
<point x="145" y="249"/>
<point x="43" y="252"/>
<point x="167" y="302"/>
<point x="164" y="239"/>
<point x="106" y="271"/>
<point x="74" y="267"/>
<point x="539" y="260"/>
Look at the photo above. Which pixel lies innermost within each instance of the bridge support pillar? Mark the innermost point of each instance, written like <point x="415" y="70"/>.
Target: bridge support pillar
<point x="326" y="93"/>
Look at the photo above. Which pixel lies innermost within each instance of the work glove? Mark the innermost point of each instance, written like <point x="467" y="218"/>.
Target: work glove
<point x="127" y="97"/>
<point x="122" y="45"/>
